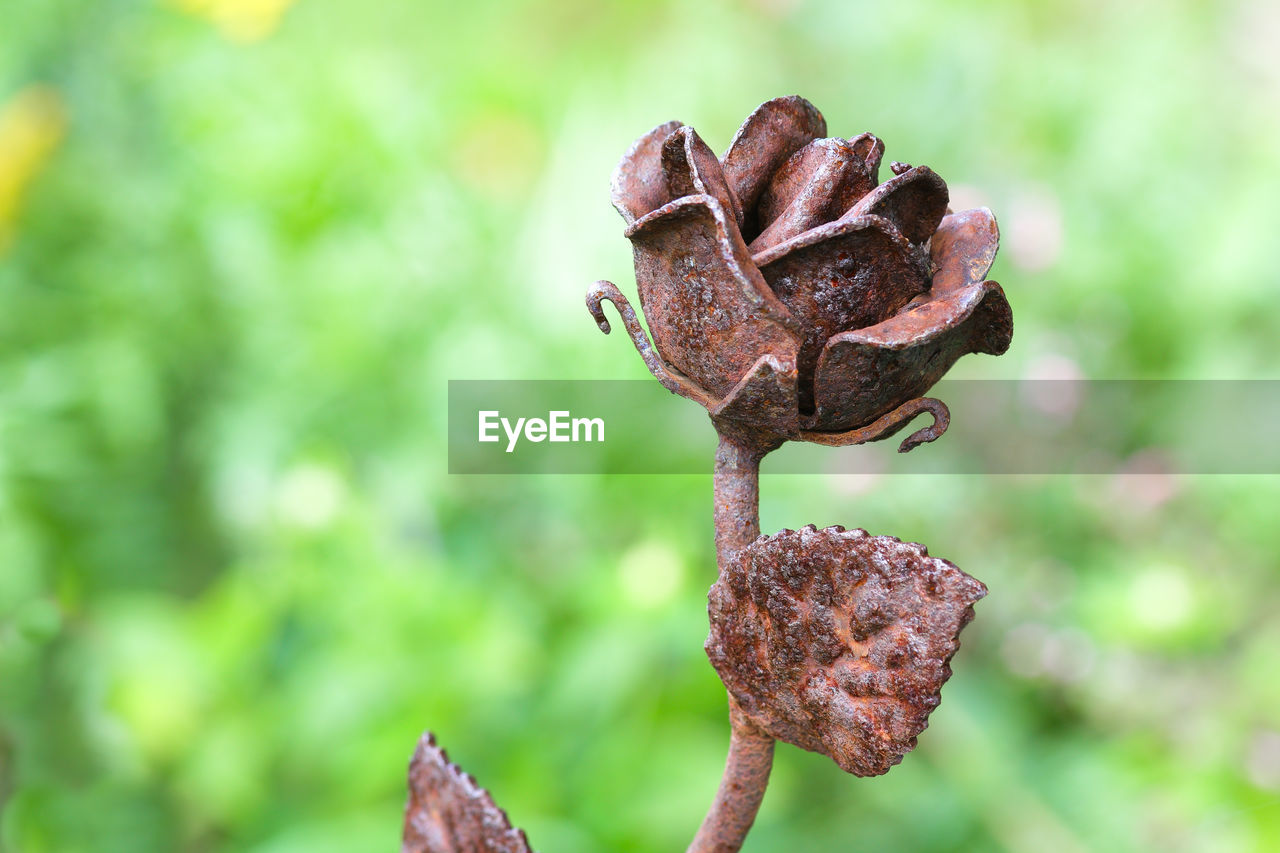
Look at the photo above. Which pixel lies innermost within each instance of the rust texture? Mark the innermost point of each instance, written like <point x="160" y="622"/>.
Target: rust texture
<point x="790" y="292"/>
<point x="449" y="813"/>
<point x="837" y="641"/>
<point x="736" y="517"/>
<point x="746" y="774"/>
<point x="736" y="493"/>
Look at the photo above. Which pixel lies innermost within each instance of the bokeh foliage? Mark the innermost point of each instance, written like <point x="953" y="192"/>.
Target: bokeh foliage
<point x="246" y="242"/>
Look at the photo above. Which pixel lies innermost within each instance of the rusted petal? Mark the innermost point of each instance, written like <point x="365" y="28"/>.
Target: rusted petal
<point x="915" y="201"/>
<point x="638" y="184"/>
<point x="817" y="184"/>
<point x="449" y="813"/>
<point x="762" y="407"/>
<point x="864" y="373"/>
<point x="709" y="310"/>
<point x="887" y="425"/>
<point x="837" y="641"/>
<point x="963" y="249"/>
<point x="671" y="379"/>
<point x="838" y="276"/>
<point x="870" y="148"/>
<point x="771" y="134"/>
<point x="692" y="168"/>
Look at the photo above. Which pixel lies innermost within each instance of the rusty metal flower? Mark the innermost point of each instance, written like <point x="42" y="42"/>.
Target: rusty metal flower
<point x="795" y="297"/>
<point x="792" y="293"/>
<point x="837" y="641"/>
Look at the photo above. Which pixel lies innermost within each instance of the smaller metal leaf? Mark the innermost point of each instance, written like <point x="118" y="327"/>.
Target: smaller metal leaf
<point x="762" y="406"/>
<point x="837" y="641"/>
<point x="449" y="813"/>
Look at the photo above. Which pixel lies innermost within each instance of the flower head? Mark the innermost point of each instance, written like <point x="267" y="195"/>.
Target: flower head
<point x="792" y="293"/>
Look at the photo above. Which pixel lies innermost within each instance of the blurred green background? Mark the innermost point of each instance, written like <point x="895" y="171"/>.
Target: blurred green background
<point x="244" y="244"/>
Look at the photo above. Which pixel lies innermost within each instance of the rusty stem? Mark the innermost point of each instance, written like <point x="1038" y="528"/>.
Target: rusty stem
<point x="746" y="770"/>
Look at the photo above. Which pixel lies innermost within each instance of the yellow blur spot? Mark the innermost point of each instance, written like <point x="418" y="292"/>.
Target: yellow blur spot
<point x="310" y="496"/>
<point x="650" y="574"/>
<point x="1162" y="599"/>
<point x="156" y="675"/>
<point x="240" y="20"/>
<point x="31" y="125"/>
<point x="160" y="708"/>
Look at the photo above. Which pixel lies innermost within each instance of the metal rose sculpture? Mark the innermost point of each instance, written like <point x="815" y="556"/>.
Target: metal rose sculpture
<point x="796" y="297"/>
<point x="790" y="292"/>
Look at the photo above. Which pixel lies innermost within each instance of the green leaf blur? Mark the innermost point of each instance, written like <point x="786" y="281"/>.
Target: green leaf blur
<point x="244" y="244"/>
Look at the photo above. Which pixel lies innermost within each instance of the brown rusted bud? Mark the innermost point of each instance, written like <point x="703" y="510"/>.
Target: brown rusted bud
<point x="790" y="292"/>
<point x="837" y="641"/>
<point x="449" y="813"/>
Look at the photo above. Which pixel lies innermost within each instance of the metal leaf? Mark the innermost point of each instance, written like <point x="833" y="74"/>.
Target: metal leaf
<point x="449" y="813"/>
<point x="761" y="408"/>
<point x="837" y="641"/>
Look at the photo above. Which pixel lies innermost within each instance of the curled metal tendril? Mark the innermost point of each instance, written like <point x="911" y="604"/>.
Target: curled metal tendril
<point x="671" y="379"/>
<point x="889" y="424"/>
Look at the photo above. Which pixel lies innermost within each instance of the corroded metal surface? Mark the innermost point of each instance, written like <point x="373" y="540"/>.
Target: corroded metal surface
<point x="795" y="297"/>
<point x="639" y="184"/>
<point x="691" y="168"/>
<point x="866" y="371"/>
<point x="843" y="275"/>
<point x="710" y="311"/>
<point x="762" y="405"/>
<point x="736" y="484"/>
<point x="771" y="134"/>
<point x="837" y="641"/>
<point x="915" y="201"/>
<point x="746" y="775"/>
<point x="817" y="184"/>
<point x="786" y="261"/>
<point x="449" y="813"/>
<point x="746" y="770"/>
<point x="671" y="379"/>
